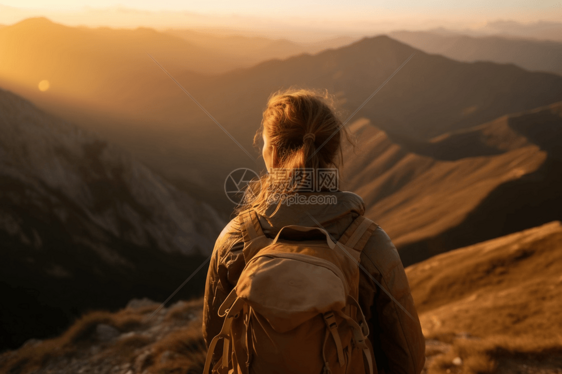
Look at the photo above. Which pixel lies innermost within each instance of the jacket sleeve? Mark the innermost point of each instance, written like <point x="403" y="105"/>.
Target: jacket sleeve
<point x="213" y="294"/>
<point x="395" y="330"/>
<point x="226" y="263"/>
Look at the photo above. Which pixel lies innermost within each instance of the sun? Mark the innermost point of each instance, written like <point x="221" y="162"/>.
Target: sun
<point x="44" y="85"/>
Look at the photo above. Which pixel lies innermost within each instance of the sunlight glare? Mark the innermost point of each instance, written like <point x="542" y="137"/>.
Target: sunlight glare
<point x="44" y="85"/>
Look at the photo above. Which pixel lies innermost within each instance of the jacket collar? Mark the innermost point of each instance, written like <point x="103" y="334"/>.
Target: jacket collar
<point x="335" y="218"/>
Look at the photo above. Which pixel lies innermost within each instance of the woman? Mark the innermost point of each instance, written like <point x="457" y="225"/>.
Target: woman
<point x="300" y="129"/>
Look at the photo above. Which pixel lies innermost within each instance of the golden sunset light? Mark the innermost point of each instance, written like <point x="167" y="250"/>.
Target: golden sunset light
<point x="350" y="186"/>
<point x="43" y="85"/>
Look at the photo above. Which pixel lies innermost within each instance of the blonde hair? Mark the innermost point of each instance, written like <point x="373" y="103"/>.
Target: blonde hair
<point x="291" y="114"/>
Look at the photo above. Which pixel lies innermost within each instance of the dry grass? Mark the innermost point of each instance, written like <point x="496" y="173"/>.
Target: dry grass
<point x="142" y="310"/>
<point x="80" y="334"/>
<point x="126" y="348"/>
<point x="495" y="354"/>
<point x="185" y="310"/>
<point x="83" y="329"/>
<point x="181" y="352"/>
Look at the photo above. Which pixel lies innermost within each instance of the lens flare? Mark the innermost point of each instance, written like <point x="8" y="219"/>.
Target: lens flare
<point x="44" y="85"/>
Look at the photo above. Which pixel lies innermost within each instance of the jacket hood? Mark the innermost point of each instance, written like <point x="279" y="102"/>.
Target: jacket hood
<point x="334" y="217"/>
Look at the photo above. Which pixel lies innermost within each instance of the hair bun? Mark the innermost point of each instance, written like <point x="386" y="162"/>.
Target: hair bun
<point x="308" y="136"/>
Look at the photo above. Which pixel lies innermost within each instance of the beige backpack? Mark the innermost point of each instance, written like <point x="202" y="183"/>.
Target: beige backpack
<point x="294" y="308"/>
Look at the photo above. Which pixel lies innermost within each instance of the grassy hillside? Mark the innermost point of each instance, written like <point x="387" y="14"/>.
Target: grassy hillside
<point x="497" y="303"/>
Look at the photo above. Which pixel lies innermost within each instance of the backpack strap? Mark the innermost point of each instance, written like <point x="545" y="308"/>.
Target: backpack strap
<point x="231" y="314"/>
<point x="227" y="303"/>
<point x="252" y="234"/>
<point x="357" y="234"/>
<point x="332" y="325"/>
<point x="360" y="332"/>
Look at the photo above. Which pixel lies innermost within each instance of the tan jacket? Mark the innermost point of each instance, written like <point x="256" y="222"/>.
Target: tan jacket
<point x="397" y="339"/>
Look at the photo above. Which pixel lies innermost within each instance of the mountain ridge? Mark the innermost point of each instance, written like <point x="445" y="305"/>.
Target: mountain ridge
<point x="431" y="197"/>
<point x="83" y="225"/>
<point x="533" y="55"/>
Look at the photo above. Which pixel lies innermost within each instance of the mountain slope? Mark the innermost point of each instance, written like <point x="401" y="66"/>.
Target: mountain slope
<point x="534" y="55"/>
<point x="463" y="187"/>
<point x="495" y="305"/>
<point x="505" y="285"/>
<point x="84" y="225"/>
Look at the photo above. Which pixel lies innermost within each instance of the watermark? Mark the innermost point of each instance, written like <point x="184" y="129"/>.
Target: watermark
<point x="284" y="185"/>
<point x="236" y="185"/>
<point x="297" y="199"/>
<point x="303" y="180"/>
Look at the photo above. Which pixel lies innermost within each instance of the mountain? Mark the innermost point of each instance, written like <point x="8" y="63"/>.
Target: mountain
<point x="495" y="305"/>
<point x="97" y="65"/>
<point x="534" y="55"/>
<point x="144" y="111"/>
<point x="111" y="68"/>
<point x="245" y="51"/>
<point x="542" y="30"/>
<point x="462" y="187"/>
<point x="84" y="225"/>
<point x="510" y="280"/>
<point x="429" y="96"/>
<point x="489" y="308"/>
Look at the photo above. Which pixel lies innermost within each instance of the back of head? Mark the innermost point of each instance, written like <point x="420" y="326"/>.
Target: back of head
<point x="304" y="127"/>
<point x="293" y="113"/>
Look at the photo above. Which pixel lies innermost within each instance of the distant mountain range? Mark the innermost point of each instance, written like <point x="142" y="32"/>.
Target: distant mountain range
<point x="429" y="97"/>
<point x="245" y="51"/>
<point x="541" y="30"/>
<point x="534" y="55"/>
<point x="462" y="187"/>
<point x="84" y="225"/>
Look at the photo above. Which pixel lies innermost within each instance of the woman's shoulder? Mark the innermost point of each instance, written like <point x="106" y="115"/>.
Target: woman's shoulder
<point x="233" y="226"/>
<point x="380" y="252"/>
<point x="230" y="235"/>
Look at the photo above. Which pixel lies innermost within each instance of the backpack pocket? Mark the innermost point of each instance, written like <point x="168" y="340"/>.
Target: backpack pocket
<point x="288" y="289"/>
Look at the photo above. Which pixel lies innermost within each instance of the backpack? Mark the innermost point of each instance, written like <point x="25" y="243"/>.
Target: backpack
<point x="294" y="308"/>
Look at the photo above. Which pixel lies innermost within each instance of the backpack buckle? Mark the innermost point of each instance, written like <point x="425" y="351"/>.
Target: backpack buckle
<point x="330" y="320"/>
<point x="364" y="328"/>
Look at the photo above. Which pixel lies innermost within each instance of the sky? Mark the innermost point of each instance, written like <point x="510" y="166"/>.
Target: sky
<point x="306" y="19"/>
<point x="309" y="7"/>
